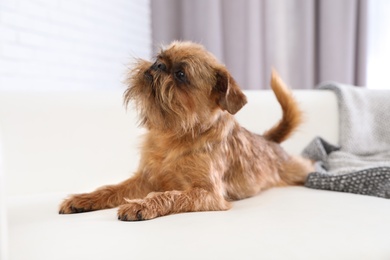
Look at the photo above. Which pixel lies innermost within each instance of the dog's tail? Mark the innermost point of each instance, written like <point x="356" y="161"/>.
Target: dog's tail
<point x="292" y="115"/>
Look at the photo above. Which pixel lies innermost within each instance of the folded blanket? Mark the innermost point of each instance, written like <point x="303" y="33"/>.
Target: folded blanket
<point x="361" y="162"/>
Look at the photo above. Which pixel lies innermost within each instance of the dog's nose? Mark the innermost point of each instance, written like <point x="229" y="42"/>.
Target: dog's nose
<point x="159" y="66"/>
<point x="148" y="75"/>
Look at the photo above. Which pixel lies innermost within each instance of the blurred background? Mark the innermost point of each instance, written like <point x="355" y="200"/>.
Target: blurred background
<point x="87" y="45"/>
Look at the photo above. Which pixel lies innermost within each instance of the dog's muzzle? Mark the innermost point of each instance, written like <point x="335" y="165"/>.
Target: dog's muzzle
<point x="148" y="75"/>
<point x="155" y="68"/>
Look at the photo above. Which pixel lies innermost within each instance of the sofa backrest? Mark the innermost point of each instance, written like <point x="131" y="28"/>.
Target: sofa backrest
<point x="318" y="106"/>
<point x="77" y="141"/>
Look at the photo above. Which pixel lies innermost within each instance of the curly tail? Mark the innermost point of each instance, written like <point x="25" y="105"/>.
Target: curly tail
<point x="292" y="115"/>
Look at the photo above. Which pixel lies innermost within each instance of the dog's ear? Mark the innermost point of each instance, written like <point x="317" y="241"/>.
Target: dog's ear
<point x="229" y="95"/>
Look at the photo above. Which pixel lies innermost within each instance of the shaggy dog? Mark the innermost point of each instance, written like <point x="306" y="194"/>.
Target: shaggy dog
<point x="195" y="156"/>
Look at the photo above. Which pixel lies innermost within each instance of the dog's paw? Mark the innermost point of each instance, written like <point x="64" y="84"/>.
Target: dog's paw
<point x="136" y="210"/>
<point x="77" y="204"/>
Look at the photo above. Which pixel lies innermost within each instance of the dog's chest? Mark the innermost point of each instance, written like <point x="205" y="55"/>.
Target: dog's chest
<point x="166" y="165"/>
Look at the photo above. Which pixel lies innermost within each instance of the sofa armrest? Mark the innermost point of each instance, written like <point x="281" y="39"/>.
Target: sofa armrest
<point x="3" y="214"/>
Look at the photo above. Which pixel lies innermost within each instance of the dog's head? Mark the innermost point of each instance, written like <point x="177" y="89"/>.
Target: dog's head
<point x="184" y="89"/>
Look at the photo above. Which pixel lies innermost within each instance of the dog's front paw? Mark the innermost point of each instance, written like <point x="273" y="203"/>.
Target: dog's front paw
<point x="77" y="204"/>
<point x="136" y="210"/>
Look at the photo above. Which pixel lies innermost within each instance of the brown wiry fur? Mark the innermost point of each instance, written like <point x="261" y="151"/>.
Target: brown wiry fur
<point x="195" y="156"/>
<point x="292" y="116"/>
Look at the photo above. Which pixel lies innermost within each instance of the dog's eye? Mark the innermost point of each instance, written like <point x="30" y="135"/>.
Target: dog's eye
<point x="180" y="75"/>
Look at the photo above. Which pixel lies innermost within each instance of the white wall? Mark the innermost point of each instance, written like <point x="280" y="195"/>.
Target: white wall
<point x="71" y="44"/>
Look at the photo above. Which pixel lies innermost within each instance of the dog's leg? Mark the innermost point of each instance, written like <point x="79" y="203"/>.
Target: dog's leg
<point x="158" y="204"/>
<point x="105" y="197"/>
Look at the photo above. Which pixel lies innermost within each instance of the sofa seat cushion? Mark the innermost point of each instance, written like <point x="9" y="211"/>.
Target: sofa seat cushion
<point x="281" y="223"/>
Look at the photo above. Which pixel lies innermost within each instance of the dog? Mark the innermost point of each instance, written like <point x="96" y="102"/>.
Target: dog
<point x="195" y="156"/>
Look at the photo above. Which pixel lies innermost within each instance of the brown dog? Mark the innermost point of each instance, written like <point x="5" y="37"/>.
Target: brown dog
<point x="195" y="156"/>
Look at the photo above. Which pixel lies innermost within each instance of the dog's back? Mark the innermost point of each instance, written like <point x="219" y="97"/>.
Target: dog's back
<point x="292" y="115"/>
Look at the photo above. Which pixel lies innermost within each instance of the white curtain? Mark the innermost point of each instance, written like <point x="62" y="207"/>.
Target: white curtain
<point x="378" y="51"/>
<point x="307" y="41"/>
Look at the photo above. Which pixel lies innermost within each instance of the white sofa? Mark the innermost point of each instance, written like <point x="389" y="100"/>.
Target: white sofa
<point x="54" y="144"/>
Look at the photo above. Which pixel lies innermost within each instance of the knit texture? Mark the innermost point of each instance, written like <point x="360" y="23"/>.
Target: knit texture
<point x="361" y="162"/>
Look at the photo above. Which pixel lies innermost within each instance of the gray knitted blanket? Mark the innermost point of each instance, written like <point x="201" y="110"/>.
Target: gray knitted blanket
<point x="361" y="162"/>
